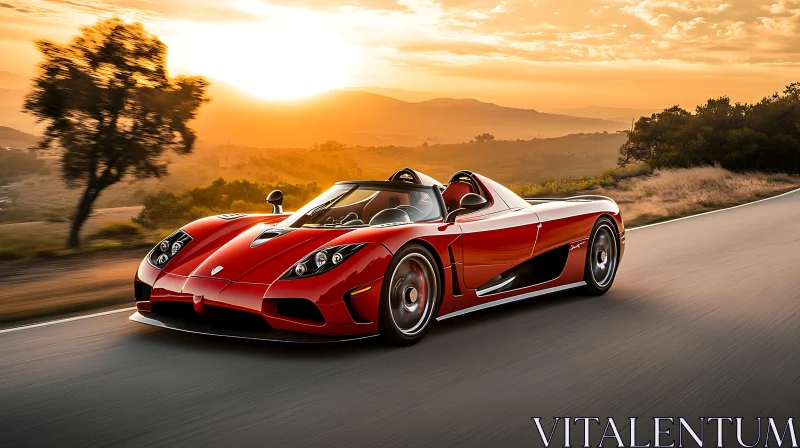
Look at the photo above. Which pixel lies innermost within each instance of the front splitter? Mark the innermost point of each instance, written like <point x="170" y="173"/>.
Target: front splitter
<point x="281" y="336"/>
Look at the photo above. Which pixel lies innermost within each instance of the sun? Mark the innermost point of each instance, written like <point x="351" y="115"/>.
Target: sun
<point x="276" y="60"/>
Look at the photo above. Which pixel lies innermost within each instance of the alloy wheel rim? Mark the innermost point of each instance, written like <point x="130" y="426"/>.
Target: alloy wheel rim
<point x="412" y="294"/>
<point x="603" y="255"/>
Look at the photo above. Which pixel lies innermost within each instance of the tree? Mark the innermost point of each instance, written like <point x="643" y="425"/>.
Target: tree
<point x="107" y="101"/>
<point x="740" y="137"/>
<point x="484" y="138"/>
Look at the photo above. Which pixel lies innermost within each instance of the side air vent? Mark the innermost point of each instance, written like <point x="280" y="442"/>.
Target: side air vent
<point x="231" y="216"/>
<point x="539" y="269"/>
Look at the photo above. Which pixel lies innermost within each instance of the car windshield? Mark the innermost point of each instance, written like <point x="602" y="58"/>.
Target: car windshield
<point x="368" y="204"/>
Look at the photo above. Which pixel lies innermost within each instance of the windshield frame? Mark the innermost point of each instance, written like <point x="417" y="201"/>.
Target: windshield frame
<point x="295" y="220"/>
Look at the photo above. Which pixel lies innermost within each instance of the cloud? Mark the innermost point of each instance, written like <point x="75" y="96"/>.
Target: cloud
<point x="414" y="37"/>
<point x="778" y="8"/>
<point x="24" y="8"/>
<point x="653" y="11"/>
<point x="477" y="15"/>
<point x="501" y="7"/>
<point x="682" y="29"/>
<point x="781" y="26"/>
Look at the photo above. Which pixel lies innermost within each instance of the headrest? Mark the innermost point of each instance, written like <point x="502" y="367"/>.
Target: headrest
<point x="454" y="192"/>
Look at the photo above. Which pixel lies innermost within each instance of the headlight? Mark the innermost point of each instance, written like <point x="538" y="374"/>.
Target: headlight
<point x="165" y="250"/>
<point x="321" y="260"/>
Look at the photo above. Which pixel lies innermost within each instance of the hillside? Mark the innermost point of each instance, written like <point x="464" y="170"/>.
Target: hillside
<point x="42" y="195"/>
<point x="622" y="114"/>
<point x="411" y="96"/>
<point x="354" y="117"/>
<point x="370" y="119"/>
<point x="12" y="138"/>
<point x="506" y="161"/>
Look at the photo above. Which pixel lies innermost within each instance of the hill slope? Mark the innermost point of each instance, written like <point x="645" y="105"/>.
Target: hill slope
<point x="622" y="114"/>
<point x="12" y="138"/>
<point x="370" y="119"/>
<point x="354" y="117"/>
<point x="505" y="161"/>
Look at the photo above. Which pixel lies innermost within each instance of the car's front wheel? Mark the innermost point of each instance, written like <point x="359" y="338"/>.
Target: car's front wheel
<point x="410" y="295"/>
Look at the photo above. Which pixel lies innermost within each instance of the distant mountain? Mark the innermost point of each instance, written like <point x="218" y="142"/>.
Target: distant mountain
<point x="12" y="95"/>
<point x="352" y="117"/>
<point x="410" y="96"/>
<point x="370" y="119"/>
<point x="10" y="80"/>
<point x="443" y="103"/>
<point x="12" y="138"/>
<point x="607" y="113"/>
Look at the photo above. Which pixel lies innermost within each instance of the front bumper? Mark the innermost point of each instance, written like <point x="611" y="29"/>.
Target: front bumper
<point x="270" y="335"/>
<point x="335" y="311"/>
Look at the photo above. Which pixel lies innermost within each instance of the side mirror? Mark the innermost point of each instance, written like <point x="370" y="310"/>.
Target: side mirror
<point x="276" y="199"/>
<point x="472" y="202"/>
<point x="469" y="203"/>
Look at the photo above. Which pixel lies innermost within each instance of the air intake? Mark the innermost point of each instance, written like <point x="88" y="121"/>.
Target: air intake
<point x="231" y="216"/>
<point x="266" y="236"/>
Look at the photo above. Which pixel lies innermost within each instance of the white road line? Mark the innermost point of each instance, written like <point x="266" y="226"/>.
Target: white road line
<point x="70" y="319"/>
<point x="712" y="211"/>
<point x="105" y="313"/>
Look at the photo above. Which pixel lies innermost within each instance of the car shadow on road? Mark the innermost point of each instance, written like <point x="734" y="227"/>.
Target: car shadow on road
<point x="496" y="315"/>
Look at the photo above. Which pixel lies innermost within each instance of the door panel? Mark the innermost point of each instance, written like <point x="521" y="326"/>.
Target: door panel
<point x="496" y="243"/>
<point x="559" y="232"/>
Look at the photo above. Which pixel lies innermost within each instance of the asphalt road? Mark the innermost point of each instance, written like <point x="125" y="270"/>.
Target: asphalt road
<point x="703" y="320"/>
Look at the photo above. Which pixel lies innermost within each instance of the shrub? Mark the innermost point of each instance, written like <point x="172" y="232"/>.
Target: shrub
<point x="101" y="245"/>
<point x="111" y="230"/>
<point x="49" y="252"/>
<point x="239" y="206"/>
<point x="15" y="162"/>
<point x="55" y="216"/>
<point x="764" y="136"/>
<point x="10" y="254"/>
<point x="220" y="196"/>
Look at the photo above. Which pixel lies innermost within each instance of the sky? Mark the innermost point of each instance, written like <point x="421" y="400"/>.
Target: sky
<point x="542" y="54"/>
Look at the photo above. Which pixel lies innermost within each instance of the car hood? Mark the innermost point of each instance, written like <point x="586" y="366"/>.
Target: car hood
<point x="240" y="260"/>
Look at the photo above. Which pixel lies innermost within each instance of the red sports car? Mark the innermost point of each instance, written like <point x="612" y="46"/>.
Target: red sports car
<point x="369" y="258"/>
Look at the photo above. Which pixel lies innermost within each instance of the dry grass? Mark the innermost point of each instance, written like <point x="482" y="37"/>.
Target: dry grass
<point x="674" y="193"/>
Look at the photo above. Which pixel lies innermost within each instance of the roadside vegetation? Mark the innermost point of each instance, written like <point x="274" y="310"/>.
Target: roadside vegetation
<point x="239" y="196"/>
<point x="18" y="162"/>
<point x="741" y="137"/>
<point x="669" y="194"/>
<point x="106" y="99"/>
<point x="646" y="196"/>
<point x="567" y="186"/>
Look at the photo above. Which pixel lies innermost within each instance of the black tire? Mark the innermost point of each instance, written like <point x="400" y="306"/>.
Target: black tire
<point x="410" y="296"/>
<point x="602" y="257"/>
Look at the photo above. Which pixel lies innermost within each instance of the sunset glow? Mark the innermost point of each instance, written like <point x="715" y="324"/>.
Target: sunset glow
<point x="543" y="54"/>
<point x="293" y="56"/>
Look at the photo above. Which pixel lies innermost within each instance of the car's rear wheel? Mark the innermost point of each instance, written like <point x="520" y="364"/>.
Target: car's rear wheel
<point x="410" y="295"/>
<point x="602" y="257"/>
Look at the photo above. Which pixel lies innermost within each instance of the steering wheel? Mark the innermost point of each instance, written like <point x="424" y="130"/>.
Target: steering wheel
<point x="406" y="175"/>
<point x="413" y="212"/>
